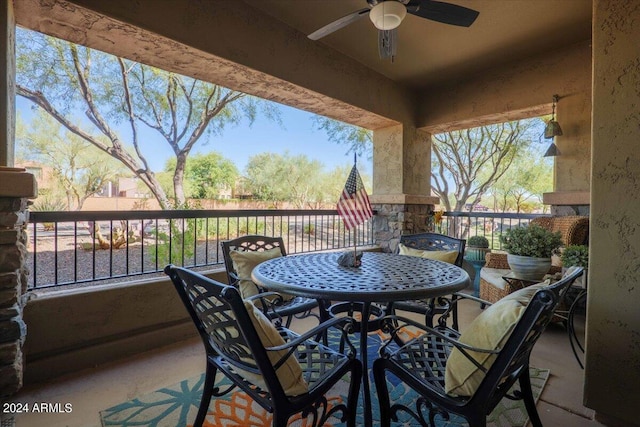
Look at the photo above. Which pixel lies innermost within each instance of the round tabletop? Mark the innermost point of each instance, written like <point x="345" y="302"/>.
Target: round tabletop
<point x="381" y="277"/>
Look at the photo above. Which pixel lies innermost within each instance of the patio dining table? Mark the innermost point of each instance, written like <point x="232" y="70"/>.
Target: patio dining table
<point x="382" y="277"/>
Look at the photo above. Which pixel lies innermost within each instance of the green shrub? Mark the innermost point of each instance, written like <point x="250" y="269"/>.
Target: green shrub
<point x="533" y="241"/>
<point x="309" y="229"/>
<point x="575" y="255"/>
<point x="478" y="242"/>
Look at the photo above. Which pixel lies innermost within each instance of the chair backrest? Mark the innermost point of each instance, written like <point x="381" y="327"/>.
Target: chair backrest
<point x="574" y="229"/>
<point x="247" y="243"/>
<point x="514" y="356"/>
<point x="219" y="314"/>
<point x="435" y="242"/>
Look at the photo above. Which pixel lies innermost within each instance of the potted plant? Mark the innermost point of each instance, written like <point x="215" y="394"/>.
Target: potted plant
<point x="529" y="250"/>
<point x="576" y="255"/>
<point x="477" y="248"/>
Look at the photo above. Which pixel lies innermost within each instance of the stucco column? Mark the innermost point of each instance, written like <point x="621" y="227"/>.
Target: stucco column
<point x="7" y="82"/>
<point x="572" y="168"/>
<point x="401" y="183"/>
<point x="16" y="187"/>
<point x="612" y="372"/>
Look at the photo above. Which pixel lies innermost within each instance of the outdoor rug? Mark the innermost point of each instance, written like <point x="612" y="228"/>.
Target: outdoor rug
<point x="177" y="405"/>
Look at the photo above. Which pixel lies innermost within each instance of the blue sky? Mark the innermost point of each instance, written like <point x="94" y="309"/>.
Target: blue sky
<point x="296" y="134"/>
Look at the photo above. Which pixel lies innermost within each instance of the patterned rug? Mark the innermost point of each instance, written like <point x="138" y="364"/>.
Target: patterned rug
<point x="177" y="405"/>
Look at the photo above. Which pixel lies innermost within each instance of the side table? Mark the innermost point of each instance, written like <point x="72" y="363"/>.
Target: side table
<point x="477" y="266"/>
<point x="518" y="283"/>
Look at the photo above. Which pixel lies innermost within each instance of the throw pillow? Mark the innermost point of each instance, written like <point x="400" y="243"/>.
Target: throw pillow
<point x="244" y="262"/>
<point x="490" y="330"/>
<point x="446" y="256"/>
<point x="290" y="372"/>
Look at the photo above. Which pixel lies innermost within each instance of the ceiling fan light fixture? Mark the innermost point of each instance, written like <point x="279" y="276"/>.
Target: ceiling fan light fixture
<point x="388" y="15"/>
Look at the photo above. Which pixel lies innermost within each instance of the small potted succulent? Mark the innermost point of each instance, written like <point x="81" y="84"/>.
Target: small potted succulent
<point x="529" y="250"/>
<point x="576" y="255"/>
<point x="477" y="248"/>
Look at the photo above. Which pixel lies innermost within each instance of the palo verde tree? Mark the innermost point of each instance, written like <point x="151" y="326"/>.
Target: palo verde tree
<point x="121" y="98"/>
<point x="284" y="178"/>
<point x="206" y="175"/>
<point x="521" y="187"/>
<point x="359" y="140"/>
<point x="77" y="168"/>
<point x="466" y="163"/>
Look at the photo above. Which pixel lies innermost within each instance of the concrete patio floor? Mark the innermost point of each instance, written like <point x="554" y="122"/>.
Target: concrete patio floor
<point x="96" y="389"/>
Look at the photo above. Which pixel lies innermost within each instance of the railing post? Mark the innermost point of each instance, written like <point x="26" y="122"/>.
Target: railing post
<point x="16" y="187"/>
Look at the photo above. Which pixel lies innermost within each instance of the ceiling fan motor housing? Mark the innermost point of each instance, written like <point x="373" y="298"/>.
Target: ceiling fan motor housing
<point x="387" y="15"/>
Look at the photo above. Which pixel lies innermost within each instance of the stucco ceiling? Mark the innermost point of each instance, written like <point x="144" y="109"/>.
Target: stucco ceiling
<point x="430" y="52"/>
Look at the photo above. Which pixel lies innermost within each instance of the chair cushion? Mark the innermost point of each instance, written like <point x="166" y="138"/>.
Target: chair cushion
<point x="490" y="330"/>
<point x="494" y="276"/>
<point x="290" y="372"/>
<point x="446" y="256"/>
<point x="245" y="261"/>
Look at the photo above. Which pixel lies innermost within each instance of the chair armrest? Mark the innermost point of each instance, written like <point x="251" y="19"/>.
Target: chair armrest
<point x="497" y="260"/>
<point x="446" y="306"/>
<point x="345" y="323"/>
<point x="460" y="295"/>
<point x="290" y="345"/>
<point x="269" y="304"/>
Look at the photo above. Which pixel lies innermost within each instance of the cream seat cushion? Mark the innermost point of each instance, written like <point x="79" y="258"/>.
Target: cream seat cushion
<point x="490" y="330"/>
<point x="446" y="256"/>
<point x="494" y="276"/>
<point x="290" y="372"/>
<point x="245" y="261"/>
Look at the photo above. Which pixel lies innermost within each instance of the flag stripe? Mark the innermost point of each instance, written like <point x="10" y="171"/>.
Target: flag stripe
<point x="354" y="206"/>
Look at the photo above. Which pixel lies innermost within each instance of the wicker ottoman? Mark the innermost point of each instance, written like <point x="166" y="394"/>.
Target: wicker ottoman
<point x="492" y="286"/>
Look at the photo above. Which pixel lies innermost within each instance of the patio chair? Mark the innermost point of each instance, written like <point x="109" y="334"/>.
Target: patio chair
<point x="436" y="246"/>
<point x="283" y="372"/>
<point x="242" y="255"/>
<point x="469" y="374"/>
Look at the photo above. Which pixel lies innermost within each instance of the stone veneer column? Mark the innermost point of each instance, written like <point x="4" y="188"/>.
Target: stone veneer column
<point x="16" y="187"/>
<point x="393" y="220"/>
<point x="401" y="183"/>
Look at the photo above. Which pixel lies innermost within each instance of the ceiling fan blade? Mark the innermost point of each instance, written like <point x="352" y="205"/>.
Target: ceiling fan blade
<point x="446" y="13"/>
<point x="339" y="23"/>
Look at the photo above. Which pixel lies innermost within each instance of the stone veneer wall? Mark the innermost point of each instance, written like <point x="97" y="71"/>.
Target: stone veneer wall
<point x="13" y="282"/>
<point x="393" y="220"/>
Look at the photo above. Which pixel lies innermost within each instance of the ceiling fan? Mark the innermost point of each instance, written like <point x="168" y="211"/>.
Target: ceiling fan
<point x="387" y="15"/>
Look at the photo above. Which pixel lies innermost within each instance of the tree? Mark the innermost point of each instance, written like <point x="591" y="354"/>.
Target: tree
<point x="78" y="167"/>
<point x="359" y="140"/>
<point x="472" y="160"/>
<point x="520" y="188"/>
<point x="63" y="78"/>
<point x="334" y="181"/>
<point x="282" y="177"/>
<point x="206" y="175"/>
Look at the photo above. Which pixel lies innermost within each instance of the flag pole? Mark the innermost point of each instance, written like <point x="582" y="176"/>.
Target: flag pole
<point x="355" y="235"/>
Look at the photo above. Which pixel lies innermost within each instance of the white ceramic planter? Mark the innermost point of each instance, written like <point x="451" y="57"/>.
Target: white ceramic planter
<point x="529" y="268"/>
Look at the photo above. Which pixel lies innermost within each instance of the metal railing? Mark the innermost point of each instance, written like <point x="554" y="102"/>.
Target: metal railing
<point x="75" y="248"/>
<point x="491" y="225"/>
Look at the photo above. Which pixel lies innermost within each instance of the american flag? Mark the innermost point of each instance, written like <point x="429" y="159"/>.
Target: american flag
<point x="354" y="206"/>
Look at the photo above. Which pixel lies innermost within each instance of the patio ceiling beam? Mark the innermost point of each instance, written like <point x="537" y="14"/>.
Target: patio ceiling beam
<point x="232" y="44"/>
